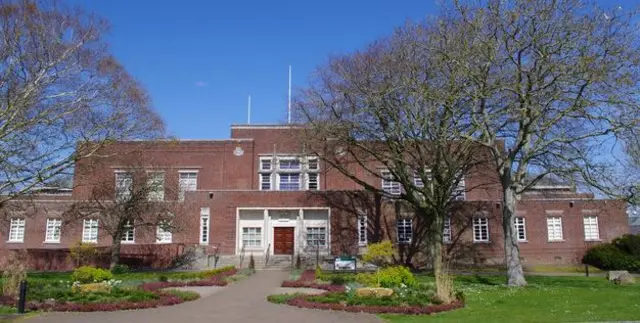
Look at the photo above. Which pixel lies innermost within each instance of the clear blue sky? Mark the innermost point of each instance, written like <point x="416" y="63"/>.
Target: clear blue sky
<point x="200" y="60"/>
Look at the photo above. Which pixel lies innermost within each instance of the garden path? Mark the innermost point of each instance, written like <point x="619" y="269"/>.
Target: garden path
<point x="243" y="301"/>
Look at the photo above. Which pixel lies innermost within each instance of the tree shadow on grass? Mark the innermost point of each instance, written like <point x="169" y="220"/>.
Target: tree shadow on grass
<point x="481" y="280"/>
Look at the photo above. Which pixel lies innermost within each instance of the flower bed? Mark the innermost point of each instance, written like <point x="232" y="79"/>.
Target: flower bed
<point x="303" y="302"/>
<point x="162" y="298"/>
<point x="302" y="284"/>
<point x="217" y="280"/>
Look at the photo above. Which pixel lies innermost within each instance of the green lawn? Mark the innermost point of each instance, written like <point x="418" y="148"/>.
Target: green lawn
<point x="546" y="299"/>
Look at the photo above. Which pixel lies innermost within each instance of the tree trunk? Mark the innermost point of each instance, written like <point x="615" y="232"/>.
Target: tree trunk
<point x="435" y="249"/>
<point x="515" y="275"/>
<point x="115" y="252"/>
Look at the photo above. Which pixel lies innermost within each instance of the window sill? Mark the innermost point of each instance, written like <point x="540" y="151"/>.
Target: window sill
<point x="163" y="242"/>
<point x="523" y="241"/>
<point x="127" y="242"/>
<point x="482" y="242"/>
<point x="92" y="242"/>
<point x="593" y="240"/>
<point x="15" y="241"/>
<point x="51" y="242"/>
<point x="555" y="241"/>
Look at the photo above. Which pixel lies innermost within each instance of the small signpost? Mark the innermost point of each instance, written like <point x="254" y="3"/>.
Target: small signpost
<point x="345" y="263"/>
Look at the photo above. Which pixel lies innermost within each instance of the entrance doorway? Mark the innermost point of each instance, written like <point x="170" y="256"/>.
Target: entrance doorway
<point x="283" y="240"/>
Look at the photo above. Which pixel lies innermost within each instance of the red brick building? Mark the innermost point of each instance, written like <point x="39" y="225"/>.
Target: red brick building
<point x="259" y="193"/>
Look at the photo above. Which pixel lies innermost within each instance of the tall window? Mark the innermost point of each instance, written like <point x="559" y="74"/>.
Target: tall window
<point x="405" y="230"/>
<point x="204" y="225"/>
<point x="317" y="236"/>
<point x="163" y="232"/>
<point x="155" y="186"/>
<point x="521" y="230"/>
<point x="90" y="230"/>
<point x="52" y="234"/>
<point x="417" y="179"/>
<point x="313" y="175"/>
<point x="591" y="231"/>
<point x="554" y="228"/>
<point x="362" y="230"/>
<point x="388" y="184"/>
<point x="129" y="233"/>
<point x="480" y="230"/>
<point x="124" y="185"/>
<point x="266" y="169"/>
<point x="446" y="233"/>
<point x="289" y="181"/>
<point x="460" y="190"/>
<point x="252" y="237"/>
<point x="16" y="230"/>
<point x="290" y="173"/>
<point x="188" y="182"/>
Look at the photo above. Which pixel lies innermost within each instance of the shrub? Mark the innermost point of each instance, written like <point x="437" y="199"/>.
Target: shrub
<point x="608" y="257"/>
<point x="120" y="269"/>
<point x="88" y="274"/>
<point x="91" y="288"/>
<point x="14" y="273"/>
<point x="378" y="253"/>
<point x="629" y="243"/>
<point x="83" y="253"/>
<point x="163" y="278"/>
<point x="367" y="279"/>
<point x="389" y="277"/>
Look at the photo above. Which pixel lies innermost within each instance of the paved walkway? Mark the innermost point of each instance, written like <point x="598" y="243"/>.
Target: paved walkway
<point x="243" y="301"/>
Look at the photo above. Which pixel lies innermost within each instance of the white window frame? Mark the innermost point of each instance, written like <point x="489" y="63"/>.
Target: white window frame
<point x="446" y="231"/>
<point x="124" y="185"/>
<point x="363" y="223"/>
<point x="520" y="223"/>
<point x="187" y="184"/>
<point x="308" y="181"/>
<point x="252" y="234"/>
<point x="388" y="184"/>
<point x="162" y="235"/>
<point x="460" y="191"/>
<point x="316" y="233"/>
<point x="88" y="228"/>
<point x="262" y="178"/>
<point x="480" y="223"/>
<point x="417" y="180"/>
<point x="262" y="163"/>
<point x="289" y="159"/>
<point x="155" y="185"/>
<point x="128" y="234"/>
<point x="591" y="228"/>
<point x="554" y="228"/>
<point x="406" y="227"/>
<point x="17" y="229"/>
<point x="53" y="231"/>
<point x="289" y="174"/>
<point x="205" y="225"/>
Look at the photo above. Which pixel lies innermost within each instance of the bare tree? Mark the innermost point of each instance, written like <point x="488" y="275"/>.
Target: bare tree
<point x="136" y="201"/>
<point x="63" y="94"/>
<point x="556" y="81"/>
<point x="379" y="115"/>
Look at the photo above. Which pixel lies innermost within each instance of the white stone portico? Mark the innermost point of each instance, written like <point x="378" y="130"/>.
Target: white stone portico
<point x="257" y="227"/>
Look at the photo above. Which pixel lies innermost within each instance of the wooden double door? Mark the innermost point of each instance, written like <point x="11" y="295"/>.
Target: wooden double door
<point x="283" y="240"/>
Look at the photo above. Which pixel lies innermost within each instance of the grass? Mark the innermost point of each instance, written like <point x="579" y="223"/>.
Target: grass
<point x="545" y="299"/>
<point x="282" y="298"/>
<point x="185" y="295"/>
